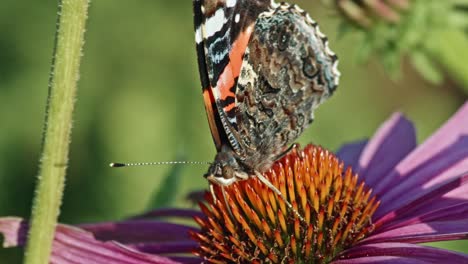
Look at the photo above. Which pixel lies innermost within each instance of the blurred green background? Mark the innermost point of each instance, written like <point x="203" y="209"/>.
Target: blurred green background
<point x="140" y="100"/>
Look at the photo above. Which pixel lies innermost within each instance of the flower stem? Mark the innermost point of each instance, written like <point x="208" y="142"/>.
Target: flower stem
<point x="72" y="16"/>
<point x="448" y="47"/>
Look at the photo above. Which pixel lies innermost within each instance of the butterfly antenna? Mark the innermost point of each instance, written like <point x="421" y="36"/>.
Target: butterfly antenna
<point x="118" y="165"/>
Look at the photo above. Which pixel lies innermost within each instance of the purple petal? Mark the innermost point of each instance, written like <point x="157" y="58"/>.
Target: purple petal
<point x="426" y="201"/>
<point x="72" y="245"/>
<point x="448" y="134"/>
<point x="14" y="231"/>
<point x="445" y="138"/>
<point x="454" y="197"/>
<point x="80" y="247"/>
<point x="415" y="253"/>
<point x="444" y="167"/>
<point x="165" y="247"/>
<point x="391" y="143"/>
<point x="381" y="260"/>
<point x="170" y="212"/>
<point x="138" y="231"/>
<point x="187" y="260"/>
<point x="423" y="232"/>
<point x="350" y="153"/>
<point x="451" y="213"/>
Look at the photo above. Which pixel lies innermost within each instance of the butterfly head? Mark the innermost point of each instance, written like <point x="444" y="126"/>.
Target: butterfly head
<point x="226" y="169"/>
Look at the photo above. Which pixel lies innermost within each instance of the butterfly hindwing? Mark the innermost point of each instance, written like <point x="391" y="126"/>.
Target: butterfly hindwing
<point x="287" y="71"/>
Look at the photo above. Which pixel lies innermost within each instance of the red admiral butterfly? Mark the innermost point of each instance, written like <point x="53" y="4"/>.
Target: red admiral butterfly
<point x="264" y="68"/>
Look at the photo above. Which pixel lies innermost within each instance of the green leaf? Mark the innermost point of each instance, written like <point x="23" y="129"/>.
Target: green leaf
<point x="423" y="64"/>
<point x="448" y="47"/>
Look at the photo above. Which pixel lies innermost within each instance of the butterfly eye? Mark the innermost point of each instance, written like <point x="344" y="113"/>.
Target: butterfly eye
<point x="309" y="67"/>
<point x="228" y="172"/>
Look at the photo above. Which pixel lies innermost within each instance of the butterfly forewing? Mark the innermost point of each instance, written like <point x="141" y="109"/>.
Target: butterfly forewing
<point x="222" y="32"/>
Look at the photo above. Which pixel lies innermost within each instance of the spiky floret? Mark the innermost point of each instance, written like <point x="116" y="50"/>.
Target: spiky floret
<point x="258" y="225"/>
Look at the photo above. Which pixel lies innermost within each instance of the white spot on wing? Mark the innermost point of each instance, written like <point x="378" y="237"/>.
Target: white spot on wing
<point x="310" y="19"/>
<point x="231" y="3"/>
<point x="274" y="4"/>
<point x="215" y="23"/>
<point x="198" y="36"/>
<point x="232" y="120"/>
<point x="217" y="55"/>
<point x="298" y="9"/>
<point x="237" y="18"/>
<point x="337" y="73"/>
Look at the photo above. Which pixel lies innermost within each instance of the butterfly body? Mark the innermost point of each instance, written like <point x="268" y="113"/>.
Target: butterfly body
<point x="264" y="68"/>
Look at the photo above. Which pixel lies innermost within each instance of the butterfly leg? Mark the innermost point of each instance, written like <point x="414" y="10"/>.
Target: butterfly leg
<point x="226" y="202"/>
<point x="224" y="196"/>
<point x="284" y="153"/>
<point x="213" y="192"/>
<point x="278" y="192"/>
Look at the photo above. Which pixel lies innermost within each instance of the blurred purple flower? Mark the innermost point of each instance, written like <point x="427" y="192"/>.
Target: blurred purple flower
<point x="423" y="193"/>
<point x="133" y="241"/>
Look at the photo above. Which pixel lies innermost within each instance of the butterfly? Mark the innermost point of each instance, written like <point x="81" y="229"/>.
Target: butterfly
<point x="264" y="68"/>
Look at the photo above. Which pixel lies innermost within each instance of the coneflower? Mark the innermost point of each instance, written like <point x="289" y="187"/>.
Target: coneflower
<point x="335" y="205"/>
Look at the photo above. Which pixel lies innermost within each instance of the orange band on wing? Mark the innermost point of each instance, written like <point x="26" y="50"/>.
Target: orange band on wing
<point x="232" y="70"/>
<point x="229" y="107"/>
<point x="238" y="50"/>
<point x="210" y="112"/>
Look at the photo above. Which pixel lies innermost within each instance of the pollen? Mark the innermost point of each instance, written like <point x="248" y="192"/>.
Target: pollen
<point x="259" y="227"/>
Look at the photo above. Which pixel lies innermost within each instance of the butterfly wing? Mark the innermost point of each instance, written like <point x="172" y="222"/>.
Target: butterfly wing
<point x="287" y="71"/>
<point x="222" y="32"/>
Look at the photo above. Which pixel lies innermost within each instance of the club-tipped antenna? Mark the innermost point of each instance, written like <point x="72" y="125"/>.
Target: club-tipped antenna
<point x="119" y="165"/>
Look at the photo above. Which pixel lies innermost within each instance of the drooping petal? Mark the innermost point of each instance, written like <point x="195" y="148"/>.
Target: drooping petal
<point x="451" y="198"/>
<point x="350" y="153"/>
<point x="381" y="260"/>
<point x="14" y="231"/>
<point x="423" y="232"/>
<point x="138" y="231"/>
<point x="401" y="253"/>
<point x="446" y="213"/>
<point x="187" y="260"/>
<point x="447" y="166"/>
<point x="165" y="247"/>
<point x="451" y="193"/>
<point x="72" y="245"/>
<point x="449" y="133"/>
<point x="391" y="143"/>
<point x="448" y="136"/>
